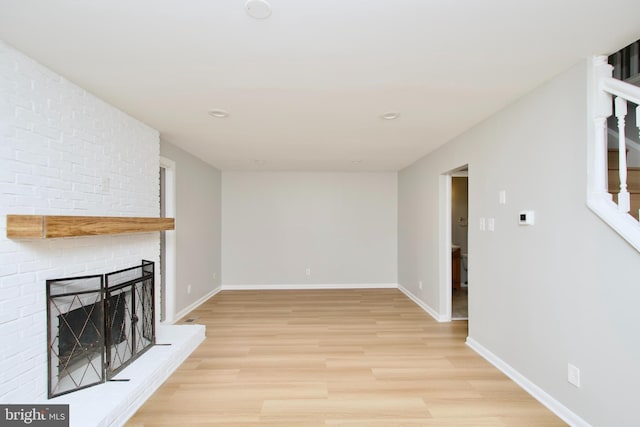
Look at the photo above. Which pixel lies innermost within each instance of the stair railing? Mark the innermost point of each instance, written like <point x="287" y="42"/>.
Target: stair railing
<point x="606" y="93"/>
<point x="630" y="143"/>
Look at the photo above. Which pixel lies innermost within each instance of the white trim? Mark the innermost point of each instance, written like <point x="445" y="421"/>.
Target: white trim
<point x="599" y="90"/>
<point x="444" y="246"/>
<point x="623" y="223"/>
<point x="444" y="241"/>
<point x="619" y="88"/>
<point x="424" y="306"/>
<point x="196" y="304"/>
<point x="279" y="287"/>
<point x="539" y="394"/>
<point x="170" y="241"/>
<point x="598" y="109"/>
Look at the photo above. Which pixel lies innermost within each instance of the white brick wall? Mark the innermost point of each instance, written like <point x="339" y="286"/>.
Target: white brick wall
<point x="60" y="148"/>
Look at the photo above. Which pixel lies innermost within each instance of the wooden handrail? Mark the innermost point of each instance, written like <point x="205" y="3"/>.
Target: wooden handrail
<point x="56" y="226"/>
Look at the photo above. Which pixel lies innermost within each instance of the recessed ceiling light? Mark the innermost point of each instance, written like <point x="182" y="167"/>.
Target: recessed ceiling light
<point x="258" y="9"/>
<point x="219" y="114"/>
<point x="390" y="116"/>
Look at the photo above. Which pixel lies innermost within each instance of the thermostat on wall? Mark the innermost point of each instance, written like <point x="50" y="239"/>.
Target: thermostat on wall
<point x="526" y="218"/>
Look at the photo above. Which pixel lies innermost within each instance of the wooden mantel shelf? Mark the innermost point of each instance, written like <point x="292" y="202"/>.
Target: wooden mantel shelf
<point x="53" y="226"/>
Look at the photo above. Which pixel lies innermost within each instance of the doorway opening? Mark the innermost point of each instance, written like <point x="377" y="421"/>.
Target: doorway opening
<point x="165" y="297"/>
<point x="459" y="245"/>
<point x="454" y="252"/>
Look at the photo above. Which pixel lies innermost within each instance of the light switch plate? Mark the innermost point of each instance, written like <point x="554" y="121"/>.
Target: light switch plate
<point x="573" y="375"/>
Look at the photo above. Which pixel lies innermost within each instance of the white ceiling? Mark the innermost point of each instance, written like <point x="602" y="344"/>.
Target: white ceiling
<point x="306" y="87"/>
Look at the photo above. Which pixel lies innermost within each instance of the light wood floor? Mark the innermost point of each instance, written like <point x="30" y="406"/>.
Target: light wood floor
<point x="369" y="358"/>
<point x="460" y="303"/>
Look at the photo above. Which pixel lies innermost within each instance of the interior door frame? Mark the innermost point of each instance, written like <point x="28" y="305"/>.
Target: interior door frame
<point x="169" y="167"/>
<point x="445" y="236"/>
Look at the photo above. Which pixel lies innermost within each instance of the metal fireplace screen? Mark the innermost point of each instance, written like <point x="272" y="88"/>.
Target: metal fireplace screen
<point x="97" y="326"/>
<point x="75" y="335"/>
<point x="129" y="316"/>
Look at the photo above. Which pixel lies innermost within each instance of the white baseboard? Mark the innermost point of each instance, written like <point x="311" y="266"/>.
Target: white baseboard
<point x="423" y="306"/>
<point x="196" y="304"/>
<point x="539" y="394"/>
<point x="276" y="287"/>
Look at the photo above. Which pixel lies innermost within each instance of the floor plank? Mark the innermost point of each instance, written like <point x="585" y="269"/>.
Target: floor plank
<point x="334" y="358"/>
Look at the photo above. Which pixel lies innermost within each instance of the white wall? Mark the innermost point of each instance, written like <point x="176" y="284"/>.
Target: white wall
<point x="58" y="145"/>
<point x="198" y="222"/>
<point x="340" y="225"/>
<point x="564" y="290"/>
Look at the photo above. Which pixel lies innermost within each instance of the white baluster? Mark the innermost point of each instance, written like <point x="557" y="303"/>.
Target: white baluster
<point x="624" y="203"/>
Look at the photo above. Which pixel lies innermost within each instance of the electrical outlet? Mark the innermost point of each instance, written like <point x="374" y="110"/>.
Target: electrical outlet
<point x="307" y="272"/>
<point x="482" y="224"/>
<point x="215" y="276"/>
<point x="573" y="375"/>
<point x="420" y="285"/>
<point x="188" y="289"/>
<point x="491" y="224"/>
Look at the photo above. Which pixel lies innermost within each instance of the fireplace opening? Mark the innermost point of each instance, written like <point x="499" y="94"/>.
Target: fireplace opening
<point x="98" y="325"/>
<point x="79" y="334"/>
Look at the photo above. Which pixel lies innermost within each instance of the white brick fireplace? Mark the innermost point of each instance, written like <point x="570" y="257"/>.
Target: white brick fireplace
<point x="62" y="152"/>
